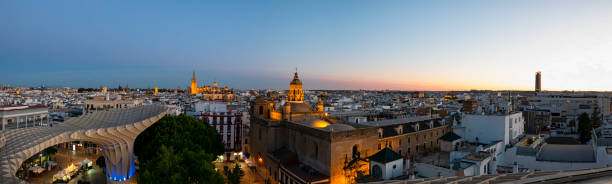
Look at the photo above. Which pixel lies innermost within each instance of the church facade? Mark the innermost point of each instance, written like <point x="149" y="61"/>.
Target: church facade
<point x="295" y="142"/>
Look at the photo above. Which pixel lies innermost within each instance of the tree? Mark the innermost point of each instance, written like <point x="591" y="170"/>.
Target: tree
<point x="179" y="149"/>
<point x="50" y="151"/>
<point x="234" y="175"/>
<point x="101" y="163"/>
<point x="596" y="118"/>
<point x="584" y="128"/>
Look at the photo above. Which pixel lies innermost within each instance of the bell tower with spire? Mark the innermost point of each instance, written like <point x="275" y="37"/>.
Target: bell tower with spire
<point x="296" y="94"/>
<point x="194" y="85"/>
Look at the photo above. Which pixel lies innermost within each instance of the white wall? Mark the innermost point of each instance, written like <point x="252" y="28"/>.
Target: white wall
<point x="210" y="106"/>
<point x="531" y="163"/>
<point x="388" y="171"/>
<point x="603" y="157"/>
<point x="431" y="171"/>
<point x="357" y="120"/>
<point x="394" y="172"/>
<point x="489" y="128"/>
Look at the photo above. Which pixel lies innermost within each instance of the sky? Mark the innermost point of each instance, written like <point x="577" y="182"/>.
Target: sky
<point x="399" y="45"/>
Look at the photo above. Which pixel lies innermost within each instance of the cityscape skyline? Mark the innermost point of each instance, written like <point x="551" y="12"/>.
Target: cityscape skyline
<point x="335" y="45"/>
<point x="305" y="92"/>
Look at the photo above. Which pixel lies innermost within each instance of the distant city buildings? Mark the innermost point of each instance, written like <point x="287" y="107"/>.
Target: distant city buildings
<point x="98" y="103"/>
<point x="211" y="93"/>
<point x="347" y="136"/>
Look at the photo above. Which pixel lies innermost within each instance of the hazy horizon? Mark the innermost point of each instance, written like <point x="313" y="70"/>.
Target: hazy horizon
<point x="396" y="45"/>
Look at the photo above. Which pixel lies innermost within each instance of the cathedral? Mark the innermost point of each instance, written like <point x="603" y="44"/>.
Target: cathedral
<point x="211" y="93"/>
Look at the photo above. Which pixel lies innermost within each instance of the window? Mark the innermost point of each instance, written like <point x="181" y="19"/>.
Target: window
<point x="394" y="166"/>
<point x="355" y="151"/>
<point x="316" y="150"/>
<point x="378" y="146"/>
<point x="260" y="110"/>
<point x="400" y="142"/>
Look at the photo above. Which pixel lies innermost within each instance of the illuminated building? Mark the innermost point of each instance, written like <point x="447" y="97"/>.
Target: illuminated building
<point x="294" y="109"/>
<point x="115" y="129"/>
<point x="155" y="92"/>
<point x="295" y="142"/>
<point x="211" y="92"/>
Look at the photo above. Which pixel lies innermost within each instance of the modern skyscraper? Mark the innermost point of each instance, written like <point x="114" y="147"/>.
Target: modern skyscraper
<point x="538" y="82"/>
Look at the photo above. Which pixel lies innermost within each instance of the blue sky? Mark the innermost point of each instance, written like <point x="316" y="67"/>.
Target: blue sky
<point x="409" y="45"/>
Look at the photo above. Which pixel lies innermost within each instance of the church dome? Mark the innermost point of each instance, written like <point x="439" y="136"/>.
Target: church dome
<point x="338" y="127"/>
<point x="300" y="107"/>
<point x="296" y="79"/>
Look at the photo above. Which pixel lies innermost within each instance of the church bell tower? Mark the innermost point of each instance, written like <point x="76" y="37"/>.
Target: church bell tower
<point x="194" y="85"/>
<point x="296" y="94"/>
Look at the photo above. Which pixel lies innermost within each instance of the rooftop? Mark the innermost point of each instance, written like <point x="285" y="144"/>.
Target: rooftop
<point x="20" y="107"/>
<point x="385" y="156"/>
<point x="596" y="175"/>
<point x="478" y="156"/>
<point x="400" y="121"/>
<point x="566" y="153"/>
<point x="450" y="136"/>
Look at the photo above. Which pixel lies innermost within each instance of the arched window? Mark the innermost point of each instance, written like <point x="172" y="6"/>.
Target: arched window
<point x="377" y="172"/>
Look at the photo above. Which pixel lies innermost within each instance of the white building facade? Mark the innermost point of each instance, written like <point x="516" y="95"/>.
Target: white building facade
<point x="490" y="128"/>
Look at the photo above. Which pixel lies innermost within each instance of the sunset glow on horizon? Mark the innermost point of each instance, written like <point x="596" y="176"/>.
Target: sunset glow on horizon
<point x="399" y="45"/>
